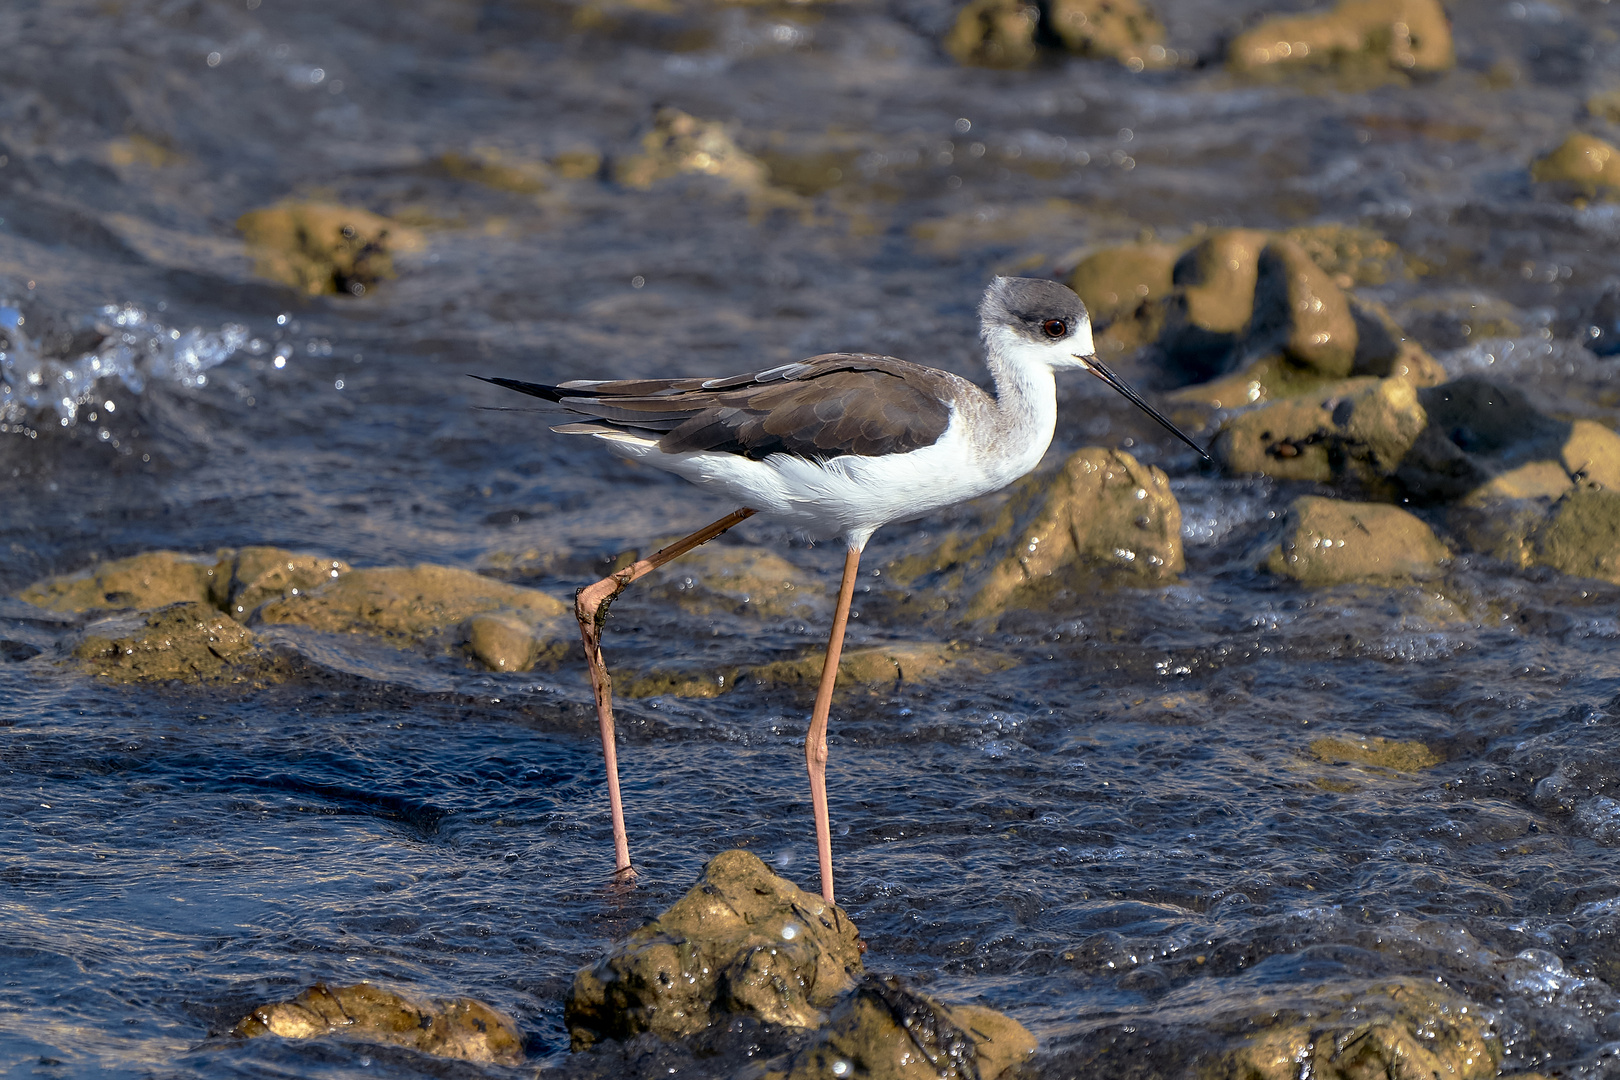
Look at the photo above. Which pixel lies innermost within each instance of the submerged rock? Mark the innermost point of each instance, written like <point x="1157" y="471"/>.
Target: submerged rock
<point x="681" y="144"/>
<point x="1408" y="756"/>
<point x="737" y="580"/>
<point x="446" y="1027"/>
<point x="152" y="579"/>
<point x="188" y="641"/>
<point x="1333" y="542"/>
<point x="1008" y="33"/>
<point x="995" y="33"/>
<point x="248" y="577"/>
<point x="1402" y="1031"/>
<point x="886" y="1030"/>
<point x="318" y="248"/>
<point x="742" y="941"/>
<point x="1582" y="166"/>
<point x="1400" y="35"/>
<point x="1581" y="536"/>
<point x="886" y="665"/>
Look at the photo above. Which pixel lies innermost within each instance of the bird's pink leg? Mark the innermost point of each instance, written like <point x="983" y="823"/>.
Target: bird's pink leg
<point x="591" y="608"/>
<point x="815" y="742"/>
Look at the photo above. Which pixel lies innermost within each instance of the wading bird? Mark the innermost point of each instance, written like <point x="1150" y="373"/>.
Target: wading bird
<point x="836" y="445"/>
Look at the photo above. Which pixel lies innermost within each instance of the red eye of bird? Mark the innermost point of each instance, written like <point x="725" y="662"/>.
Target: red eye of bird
<point x="1054" y="328"/>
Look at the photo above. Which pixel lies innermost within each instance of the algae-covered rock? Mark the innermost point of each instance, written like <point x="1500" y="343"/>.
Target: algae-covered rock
<point x="1401" y="1031"/>
<point x="1351" y="254"/>
<point x="886" y="1030"/>
<point x="1334" y="542"/>
<point x="1123" y="289"/>
<point x="459" y="1028"/>
<point x="679" y="144"/>
<point x="1214" y="299"/>
<point x="187" y="641"/>
<point x="1104" y="510"/>
<point x="1359" y="430"/>
<point x="408" y="602"/>
<point x="493" y="168"/>
<point x="741" y="941"/>
<point x="247" y="577"/>
<point x="318" y="248"/>
<point x="1299" y="308"/>
<point x="1582" y="535"/>
<point x="152" y="579"/>
<point x="502" y="642"/>
<point x="995" y="33"/>
<point x="885" y="665"/>
<point x="1123" y="30"/>
<point x="738" y="580"/>
<point x="1400" y="35"/>
<point x="1402" y="756"/>
<point x="1582" y="165"/>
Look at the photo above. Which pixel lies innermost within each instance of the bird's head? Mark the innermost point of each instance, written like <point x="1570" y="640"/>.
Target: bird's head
<point x="1035" y="321"/>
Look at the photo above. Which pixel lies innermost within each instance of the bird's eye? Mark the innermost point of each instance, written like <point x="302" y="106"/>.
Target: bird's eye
<point x="1054" y="328"/>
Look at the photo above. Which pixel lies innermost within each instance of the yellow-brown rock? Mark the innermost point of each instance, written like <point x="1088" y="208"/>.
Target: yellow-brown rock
<point x="1123" y="30"/>
<point x="1334" y="542"/>
<point x="995" y="33"/>
<point x="884" y="665"/>
<point x="1358" y="429"/>
<point x="1351" y="254"/>
<point x="152" y="579"/>
<point x="1402" y="756"/>
<point x="491" y="167"/>
<point x="1299" y="308"/>
<point x="1399" y="1031"/>
<point x="1126" y="285"/>
<point x="886" y="1030"/>
<point x="502" y="642"/>
<point x="190" y="642"/>
<point x="1582" y="535"/>
<point x="1215" y="280"/>
<point x="318" y="247"/>
<point x="247" y="577"/>
<point x="408" y="602"/>
<point x="1410" y="36"/>
<point x="1103" y="511"/>
<point x="737" y="580"/>
<point x="1583" y="165"/>
<point x="459" y="1028"/>
<point x="681" y="143"/>
<point x="742" y="942"/>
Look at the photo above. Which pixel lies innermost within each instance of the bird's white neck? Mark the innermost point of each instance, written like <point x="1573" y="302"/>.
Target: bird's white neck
<point x="1022" y="416"/>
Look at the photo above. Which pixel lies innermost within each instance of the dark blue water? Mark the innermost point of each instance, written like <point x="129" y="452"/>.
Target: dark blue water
<point x="1124" y="832"/>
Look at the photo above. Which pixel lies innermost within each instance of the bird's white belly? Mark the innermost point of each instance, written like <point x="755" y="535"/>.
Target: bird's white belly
<point x="849" y="496"/>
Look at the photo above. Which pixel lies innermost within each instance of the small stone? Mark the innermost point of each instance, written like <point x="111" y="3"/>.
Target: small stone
<point x="1582" y="166"/>
<point x="680" y="144"/>
<point x="1298" y="306"/>
<point x="459" y="1028"/>
<point x="189" y="642"/>
<point x="493" y="168"/>
<point x="318" y="248"/>
<point x="501" y="642"/>
<point x="1408" y="36"/>
<point x="1333" y="542"/>
<point x="1358" y="430"/>
<point x="741" y="941"/>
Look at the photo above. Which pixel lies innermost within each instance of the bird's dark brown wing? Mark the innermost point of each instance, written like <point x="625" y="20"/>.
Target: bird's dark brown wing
<point x="823" y="407"/>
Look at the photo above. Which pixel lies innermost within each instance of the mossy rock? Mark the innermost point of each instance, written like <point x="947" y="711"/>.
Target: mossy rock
<point x="1334" y="542"/>
<point x="1582" y="166"/>
<point x="1123" y="289"/>
<point x="1123" y="30"/>
<point x="248" y="577"/>
<point x="742" y="941"/>
<point x="504" y="642"/>
<point x="1581" y="536"/>
<point x="1400" y="1031"/>
<point x="319" y="248"/>
<point x="152" y="579"/>
<point x="886" y="1030"/>
<point x="408" y="602"/>
<point x="739" y="581"/>
<point x="883" y="666"/>
<point x="459" y="1028"/>
<point x="1352" y="254"/>
<point x="1402" y="756"/>
<point x="995" y="34"/>
<point x="188" y="642"/>
<point x="1357" y="37"/>
<point x="1357" y="430"/>
<point x="1299" y="308"/>
<point x="679" y="144"/>
<point x="1213" y="300"/>
<point x="492" y="168"/>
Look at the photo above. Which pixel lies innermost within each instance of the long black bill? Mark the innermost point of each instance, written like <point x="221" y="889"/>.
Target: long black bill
<point x="1097" y="368"/>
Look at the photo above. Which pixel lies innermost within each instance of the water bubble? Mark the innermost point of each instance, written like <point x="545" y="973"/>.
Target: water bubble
<point x="638" y="282"/>
<point x="214" y="58"/>
<point x="963" y="126"/>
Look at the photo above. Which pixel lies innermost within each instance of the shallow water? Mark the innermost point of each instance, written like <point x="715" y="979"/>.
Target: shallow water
<point x="1124" y="840"/>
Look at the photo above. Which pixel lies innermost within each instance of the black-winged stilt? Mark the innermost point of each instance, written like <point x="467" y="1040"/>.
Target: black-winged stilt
<point x="836" y="445"/>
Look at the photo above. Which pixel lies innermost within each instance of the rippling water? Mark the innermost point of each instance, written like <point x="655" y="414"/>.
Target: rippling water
<point x="1124" y="839"/>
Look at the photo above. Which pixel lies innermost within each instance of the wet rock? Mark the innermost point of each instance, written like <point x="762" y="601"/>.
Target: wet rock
<point x="680" y="144"/>
<point x="1582" y="535"/>
<point x="1409" y="756"/>
<point x="1350" y="254"/>
<point x="1403" y="1031"/>
<point x="459" y="1028"/>
<point x="248" y="577"/>
<point x="1006" y="33"/>
<point x="1299" y="309"/>
<point x="1104" y="510"/>
<point x="502" y="642"/>
<point x="318" y="248"/>
<point x="191" y="642"/>
<point x="1213" y="301"/>
<point x="738" y="581"/>
<point x="492" y="168"/>
<point x="886" y="665"/>
<point x="1583" y="166"/>
<point x="1333" y="542"/>
<point x="1123" y="289"/>
<point x="742" y="941"/>
<point x="886" y="1030"/>
<point x="1452" y="319"/>
<point x="1123" y="30"/>
<point x="685" y="684"/>
<point x="1359" y="431"/>
<point x="152" y="579"/>
<point x="1409" y="36"/>
<point x="1602" y="329"/>
<point x="408" y="602"/>
<point x="1476" y="430"/>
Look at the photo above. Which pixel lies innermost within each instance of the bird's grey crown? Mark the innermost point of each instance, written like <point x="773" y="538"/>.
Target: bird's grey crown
<point x="1026" y="304"/>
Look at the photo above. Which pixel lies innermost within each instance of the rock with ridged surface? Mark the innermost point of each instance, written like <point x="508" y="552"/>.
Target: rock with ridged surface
<point x="1407" y="36"/>
<point x="1334" y="542"/>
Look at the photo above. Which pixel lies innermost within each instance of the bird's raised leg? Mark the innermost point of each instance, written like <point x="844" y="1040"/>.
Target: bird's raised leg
<point x="815" y="742"/>
<point x="591" y="608"/>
